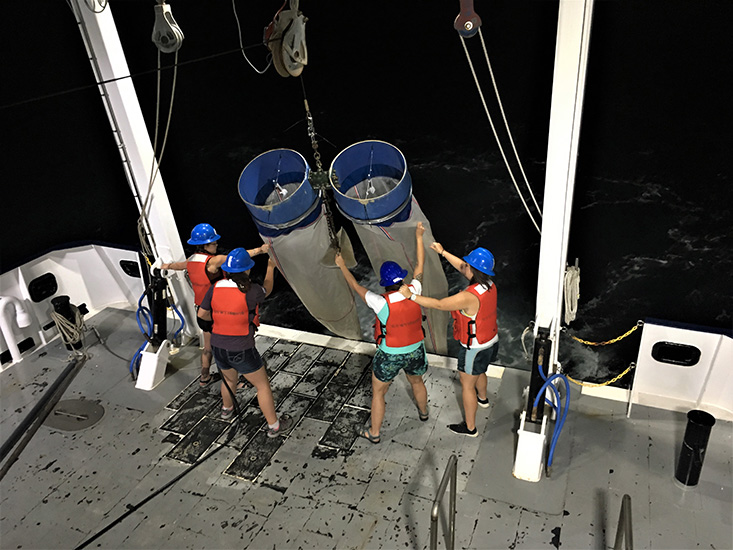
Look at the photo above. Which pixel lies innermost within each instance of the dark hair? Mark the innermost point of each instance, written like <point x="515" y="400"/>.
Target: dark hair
<point x="479" y="277"/>
<point x="392" y="288"/>
<point x="242" y="280"/>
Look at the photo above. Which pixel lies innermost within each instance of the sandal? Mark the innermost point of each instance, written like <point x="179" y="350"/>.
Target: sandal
<point x="366" y="434"/>
<point x="203" y="382"/>
<point x="423" y="416"/>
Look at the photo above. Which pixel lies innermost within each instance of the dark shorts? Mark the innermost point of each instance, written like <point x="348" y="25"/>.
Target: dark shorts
<point x="386" y="366"/>
<point x="243" y="361"/>
<point x="476" y="362"/>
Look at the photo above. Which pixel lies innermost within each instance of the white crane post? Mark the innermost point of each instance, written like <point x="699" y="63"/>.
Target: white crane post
<point x="568" y="86"/>
<point x="128" y="125"/>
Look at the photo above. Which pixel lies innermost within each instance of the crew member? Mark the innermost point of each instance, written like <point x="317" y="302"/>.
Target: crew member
<point x="204" y="269"/>
<point x="230" y="312"/>
<point x="474" y="326"/>
<point x="399" y="335"/>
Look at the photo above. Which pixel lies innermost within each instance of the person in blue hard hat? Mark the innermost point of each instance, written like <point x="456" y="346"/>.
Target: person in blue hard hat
<point x="204" y="269"/>
<point x="398" y="333"/>
<point x="230" y="312"/>
<point x="474" y="326"/>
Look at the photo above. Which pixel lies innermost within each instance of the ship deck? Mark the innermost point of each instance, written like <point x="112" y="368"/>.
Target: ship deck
<point x="321" y="487"/>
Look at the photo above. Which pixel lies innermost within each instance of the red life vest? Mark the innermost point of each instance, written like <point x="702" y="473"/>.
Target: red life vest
<point x="200" y="278"/>
<point x="481" y="330"/>
<point x="404" y="324"/>
<point x="230" y="311"/>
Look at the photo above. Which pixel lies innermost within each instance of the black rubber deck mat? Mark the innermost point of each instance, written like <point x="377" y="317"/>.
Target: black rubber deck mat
<point x="362" y="396"/>
<point x="343" y="431"/>
<point x="263" y="343"/>
<point x="340" y="388"/>
<point x="193" y="388"/>
<point x="194" y="444"/>
<point x="251" y="420"/>
<point x="302" y="359"/>
<point x="283" y="347"/>
<point x="189" y="414"/>
<point x="296" y="406"/>
<point x="274" y="361"/>
<point x="253" y="459"/>
<point x="315" y="379"/>
<point x="333" y="356"/>
<point x="282" y="384"/>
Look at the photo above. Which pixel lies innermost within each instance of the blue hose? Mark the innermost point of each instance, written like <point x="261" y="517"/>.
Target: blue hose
<point x="183" y="321"/>
<point x="143" y="315"/>
<point x="560" y="417"/>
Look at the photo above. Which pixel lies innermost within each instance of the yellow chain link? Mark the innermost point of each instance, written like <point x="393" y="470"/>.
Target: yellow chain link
<point x="588" y="343"/>
<point x="587" y="385"/>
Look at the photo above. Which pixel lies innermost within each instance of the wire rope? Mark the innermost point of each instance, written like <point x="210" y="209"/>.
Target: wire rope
<point x="496" y="136"/>
<point x="506" y="124"/>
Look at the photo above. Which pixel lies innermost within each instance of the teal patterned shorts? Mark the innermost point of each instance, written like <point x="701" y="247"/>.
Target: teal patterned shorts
<point x="386" y="366"/>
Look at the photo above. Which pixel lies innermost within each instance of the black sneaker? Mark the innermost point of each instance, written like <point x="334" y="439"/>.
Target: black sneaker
<point x="462" y="429"/>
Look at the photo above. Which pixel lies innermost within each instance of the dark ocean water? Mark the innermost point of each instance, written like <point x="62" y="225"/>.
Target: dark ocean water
<point x="651" y="222"/>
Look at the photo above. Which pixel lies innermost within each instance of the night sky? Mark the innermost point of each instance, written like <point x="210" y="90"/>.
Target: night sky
<point x="653" y="185"/>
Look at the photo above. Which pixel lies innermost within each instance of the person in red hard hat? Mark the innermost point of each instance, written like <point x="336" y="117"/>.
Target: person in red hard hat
<point x="474" y="326"/>
<point x="204" y="269"/>
<point x="398" y="333"/>
<point x="230" y="312"/>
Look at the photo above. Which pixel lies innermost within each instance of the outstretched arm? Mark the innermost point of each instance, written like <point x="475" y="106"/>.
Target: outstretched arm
<point x="453" y="260"/>
<point x="215" y="262"/>
<point x="462" y="301"/>
<point x="351" y="281"/>
<point x="419" y="268"/>
<point x="175" y="266"/>
<point x="269" y="281"/>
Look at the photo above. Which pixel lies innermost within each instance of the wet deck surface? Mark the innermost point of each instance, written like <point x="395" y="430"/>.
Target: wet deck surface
<point x="321" y="487"/>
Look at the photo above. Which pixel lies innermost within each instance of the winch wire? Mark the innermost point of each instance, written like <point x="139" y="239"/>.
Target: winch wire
<point x="496" y="136"/>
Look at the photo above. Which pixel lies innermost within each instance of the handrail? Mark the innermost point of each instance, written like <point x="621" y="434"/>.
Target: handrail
<point x="624" y="530"/>
<point x="451" y="473"/>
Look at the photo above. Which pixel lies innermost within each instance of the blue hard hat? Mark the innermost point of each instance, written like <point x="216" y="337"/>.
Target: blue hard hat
<point x="481" y="259"/>
<point x="391" y="273"/>
<point x="203" y="233"/>
<point x="238" y="261"/>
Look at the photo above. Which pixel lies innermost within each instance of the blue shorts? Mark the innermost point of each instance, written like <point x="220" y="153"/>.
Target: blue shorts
<point x="386" y="366"/>
<point x="476" y="361"/>
<point x="243" y="361"/>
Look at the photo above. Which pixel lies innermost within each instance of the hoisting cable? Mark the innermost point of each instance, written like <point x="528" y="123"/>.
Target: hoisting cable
<point x="143" y="220"/>
<point x="496" y="136"/>
<point x="319" y="177"/>
<point x="506" y="124"/>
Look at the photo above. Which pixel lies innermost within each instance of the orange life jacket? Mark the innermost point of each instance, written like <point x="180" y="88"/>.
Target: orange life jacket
<point x="481" y="330"/>
<point x="404" y="324"/>
<point x="200" y="278"/>
<point x="230" y="311"/>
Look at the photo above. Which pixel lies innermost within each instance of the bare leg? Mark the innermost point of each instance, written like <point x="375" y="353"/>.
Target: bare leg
<point x="481" y="386"/>
<point x="379" y="390"/>
<point x="419" y="391"/>
<point x="206" y="355"/>
<point x="470" y="403"/>
<point x="264" y="393"/>
<point x="228" y="376"/>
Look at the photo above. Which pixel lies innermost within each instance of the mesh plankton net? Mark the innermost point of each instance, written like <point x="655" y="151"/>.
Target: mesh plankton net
<point x="373" y="188"/>
<point x="289" y="216"/>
